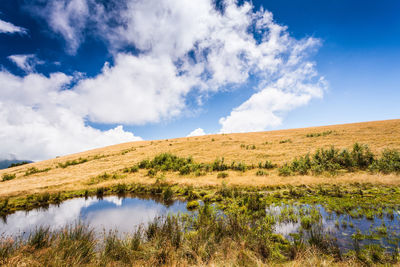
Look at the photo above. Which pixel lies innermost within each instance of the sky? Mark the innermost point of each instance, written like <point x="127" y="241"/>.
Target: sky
<point x="81" y="74"/>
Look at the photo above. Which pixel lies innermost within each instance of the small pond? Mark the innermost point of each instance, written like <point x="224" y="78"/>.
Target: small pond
<point x="108" y="213"/>
<point x="126" y="213"/>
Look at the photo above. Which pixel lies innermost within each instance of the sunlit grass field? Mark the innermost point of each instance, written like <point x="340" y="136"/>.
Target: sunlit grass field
<point x="79" y="171"/>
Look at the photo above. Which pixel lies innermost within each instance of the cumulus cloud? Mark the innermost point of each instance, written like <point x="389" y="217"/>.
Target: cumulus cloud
<point x="196" y="132"/>
<point x="7" y="27"/>
<point x="26" y="62"/>
<point x="265" y="108"/>
<point x="183" y="48"/>
<point x="36" y="125"/>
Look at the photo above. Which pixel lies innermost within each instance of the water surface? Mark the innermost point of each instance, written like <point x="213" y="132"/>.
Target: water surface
<point x="108" y="213"/>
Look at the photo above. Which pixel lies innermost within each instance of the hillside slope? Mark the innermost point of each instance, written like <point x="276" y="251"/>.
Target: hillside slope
<point x="277" y="146"/>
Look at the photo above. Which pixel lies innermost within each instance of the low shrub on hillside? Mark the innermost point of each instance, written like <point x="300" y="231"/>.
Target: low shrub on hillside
<point x="7" y="176"/>
<point x="185" y="166"/>
<point x="34" y="170"/>
<point x="319" y="134"/>
<point x="388" y="163"/>
<point x="72" y="162"/>
<point x="332" y="160"/>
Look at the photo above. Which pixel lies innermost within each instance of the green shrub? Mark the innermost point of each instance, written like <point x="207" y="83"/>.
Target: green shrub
<point x="34" y="170"/>
<point x="144" y="164"/>
<point x="72" y="162"/>
<point x="388" y="163"/>
<point x="222" y="175"/>
<point x="152" y="172"/>
<point x="266" y="165"/>
<point x="331" y="161"/>
<point x="238" y="167"/>
<point x="285" y="141"/>
<point x="285" y="170"/>
<point x="261" y="173"/>
<point x="219" y="165"/>
<point x="134" y="168"/>
<point x="7" y="177"/>
<point x="319" y="134"/>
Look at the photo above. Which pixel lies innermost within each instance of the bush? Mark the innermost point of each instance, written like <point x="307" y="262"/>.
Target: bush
<point x="261" y="173"/>
<point x="34" y="170"/>
<point x="219" y="165"/>
<point x="266" y="165"/>
<point x="285" y="170"/>
<point x="319" y="134"/>
<point x="72" y="162"/>
<point x="222" y="175"/>
<point x="388" y="163"/>
<point x="7" y="177"/>
<point x="332" y="160"/>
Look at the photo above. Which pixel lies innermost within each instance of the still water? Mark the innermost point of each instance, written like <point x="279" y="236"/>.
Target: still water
<point x="109" y="213"/>
<point x="126" y="213"/>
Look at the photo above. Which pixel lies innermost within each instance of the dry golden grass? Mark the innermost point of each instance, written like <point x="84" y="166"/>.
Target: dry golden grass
<point x="377" y="135"/>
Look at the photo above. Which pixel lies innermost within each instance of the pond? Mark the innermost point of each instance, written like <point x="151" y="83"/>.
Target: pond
<point x="345" y="230"/>
<point x="108" y="213"/>
<point x="126" y="213"/>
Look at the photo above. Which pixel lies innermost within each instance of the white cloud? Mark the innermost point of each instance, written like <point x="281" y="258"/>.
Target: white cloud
<point x="7" y="27"/>
<point x="196" y="132"/>
<point x="26" y="62"/>
<point x="67" y="18"/>
<point x="35" y="123"/>
<point x="135" y="91"/>
<point x="265" y="108"/>
<point x="185" y="47"/>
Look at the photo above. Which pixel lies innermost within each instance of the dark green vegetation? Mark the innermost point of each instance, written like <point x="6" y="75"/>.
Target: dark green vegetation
<point x="34" y="170"/>
<point x="333" y="160"/>
<point x="248" y="147"/>
<point x="18" y="164"/>
<point x="319" y="134"/>
<point x="169" y="162"/>
<point x="242" y="235"/>
<point x="72" y="162"/>
<point x="7" y="177"/>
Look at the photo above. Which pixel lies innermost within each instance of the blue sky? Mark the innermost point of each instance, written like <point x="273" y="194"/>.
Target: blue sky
<point x="155" y="86"/>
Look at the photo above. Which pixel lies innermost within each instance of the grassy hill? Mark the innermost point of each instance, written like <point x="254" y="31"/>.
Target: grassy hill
<point x="105" y="166"/>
